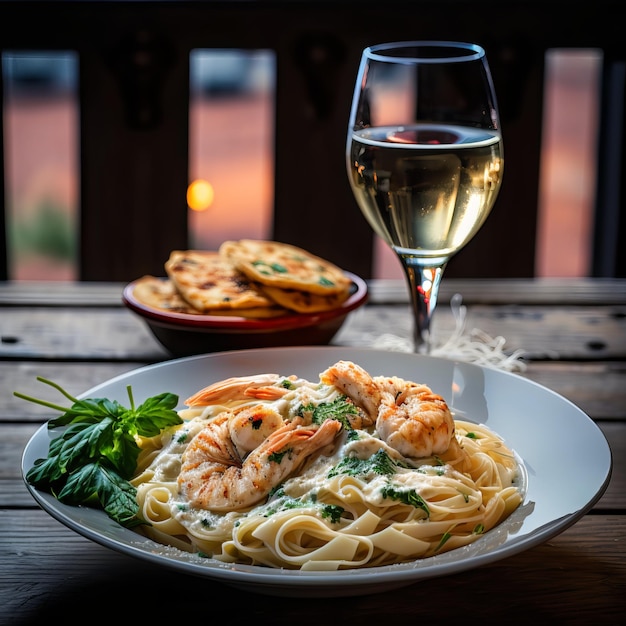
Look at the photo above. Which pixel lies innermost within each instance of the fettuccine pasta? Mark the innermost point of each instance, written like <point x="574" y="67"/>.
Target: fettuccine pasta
<point x="330" y="484"/>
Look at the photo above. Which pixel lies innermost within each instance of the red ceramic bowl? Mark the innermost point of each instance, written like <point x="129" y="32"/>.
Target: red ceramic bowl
<point x="183" y="334"/>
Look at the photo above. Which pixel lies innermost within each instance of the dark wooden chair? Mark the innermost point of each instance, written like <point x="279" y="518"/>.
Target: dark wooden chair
<point x="134" y="72"/>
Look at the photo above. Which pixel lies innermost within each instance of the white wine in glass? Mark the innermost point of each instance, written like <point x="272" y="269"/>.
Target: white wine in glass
<point x="424" y="156"/>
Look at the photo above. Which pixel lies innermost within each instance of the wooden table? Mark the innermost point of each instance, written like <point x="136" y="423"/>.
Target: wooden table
<point x="573" y="333"/>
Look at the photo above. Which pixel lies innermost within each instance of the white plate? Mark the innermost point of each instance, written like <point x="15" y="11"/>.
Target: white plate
<point x="549" y="433"/>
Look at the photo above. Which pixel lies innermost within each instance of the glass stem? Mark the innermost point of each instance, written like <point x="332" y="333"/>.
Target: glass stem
<point x="424" y="285"/>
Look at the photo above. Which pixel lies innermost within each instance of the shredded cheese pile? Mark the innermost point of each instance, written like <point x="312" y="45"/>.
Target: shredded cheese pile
<point x="474" y="346"/>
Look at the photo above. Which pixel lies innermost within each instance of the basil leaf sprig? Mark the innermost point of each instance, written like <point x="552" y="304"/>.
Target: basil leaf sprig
<point x="92" y="461"/>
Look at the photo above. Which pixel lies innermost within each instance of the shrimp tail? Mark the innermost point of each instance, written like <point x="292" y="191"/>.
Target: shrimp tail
<point x="238" y="388"/>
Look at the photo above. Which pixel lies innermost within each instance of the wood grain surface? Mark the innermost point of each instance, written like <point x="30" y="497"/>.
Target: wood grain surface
<point x="574" y="342"/>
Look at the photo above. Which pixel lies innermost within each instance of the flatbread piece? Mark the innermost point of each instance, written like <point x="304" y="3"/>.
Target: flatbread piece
<point x="160" y="293"/>
<point x="305" y="301"/>
<point x="281" y="265"/>
<point x="207" y="281"/>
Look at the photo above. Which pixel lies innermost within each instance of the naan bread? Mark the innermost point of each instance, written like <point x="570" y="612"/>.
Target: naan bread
<point x="281" y="265"/>
<point x="305" y="301"/>
<point x="207" y="281"/>
<point x="258" y="312"/>
<point x="160" y="293"/>
<point x="212" y="283"/>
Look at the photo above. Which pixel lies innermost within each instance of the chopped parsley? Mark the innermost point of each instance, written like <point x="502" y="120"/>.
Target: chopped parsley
<point x="432" y="470"/>
<point x="406" y="496"/>
<point x="443" y="540"/>
<point x="277" y="457"/>
<point x="353" y="435"/>
<point x="339" y="409"/>
<point x="279" y="501"/>
<point x="379" y="463"/>
<point x="332" y="512"/>
<point x="276" y="492"/>
<point x="479" y="529"/>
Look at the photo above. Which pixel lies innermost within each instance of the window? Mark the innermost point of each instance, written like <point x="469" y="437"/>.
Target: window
<point x="41" y="161"/>
<point x="231" y="130"/>
<point x="567" y="179"/>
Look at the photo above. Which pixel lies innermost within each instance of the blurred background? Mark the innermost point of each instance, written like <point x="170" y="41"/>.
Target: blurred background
<point x="231" y="132"/>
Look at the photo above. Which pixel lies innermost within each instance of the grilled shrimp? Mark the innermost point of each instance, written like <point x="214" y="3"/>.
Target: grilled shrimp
<point x="249" y="427"/>
<point x="409" y="417"/>
<point x="261" y="387"/>
<point x="412" y="419"/>
<point x="214" y="477"/>
<point x="357" y="384"/>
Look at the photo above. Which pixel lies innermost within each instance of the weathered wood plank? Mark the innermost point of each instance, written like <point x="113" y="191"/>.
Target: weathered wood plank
<point x="542" y="333"/>
<point x="83" y="293"/>
<point x="551" y="333"/>
<point x="71" y="333"/>
<point x="48" y="568"/>
<point x="579" y="291"/>
<point x="538" y="291"/>
<point x="75" y="377"/>
<point x="599" y="389"/>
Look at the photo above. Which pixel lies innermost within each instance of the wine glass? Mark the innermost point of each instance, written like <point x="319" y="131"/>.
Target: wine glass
<point x="424" y="157"/>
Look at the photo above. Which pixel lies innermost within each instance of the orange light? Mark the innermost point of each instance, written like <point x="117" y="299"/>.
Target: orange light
<point x="200" y="195"/>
